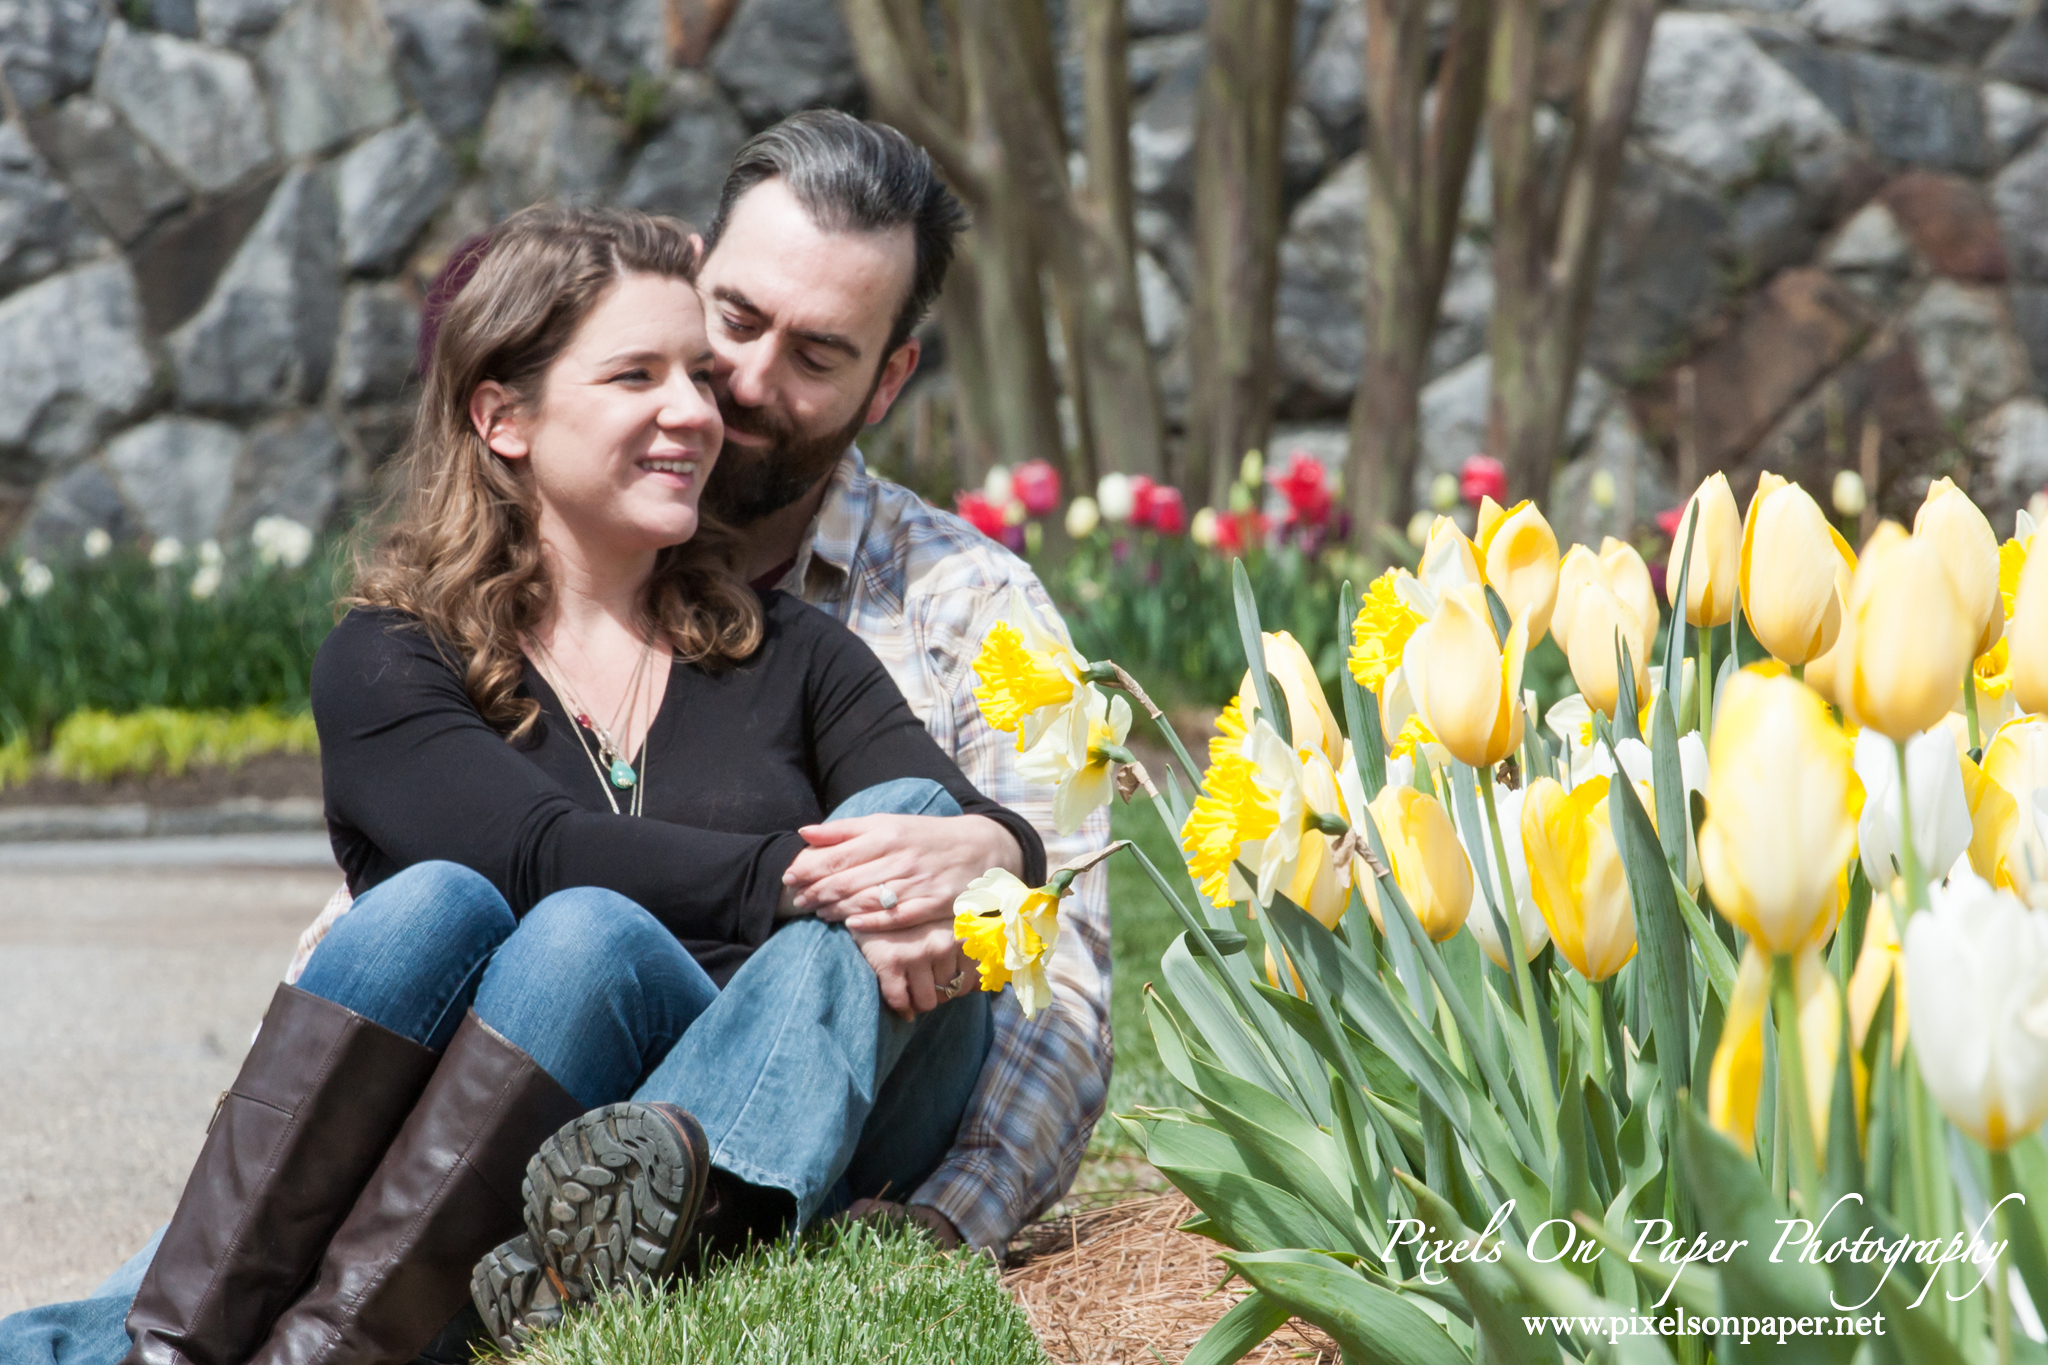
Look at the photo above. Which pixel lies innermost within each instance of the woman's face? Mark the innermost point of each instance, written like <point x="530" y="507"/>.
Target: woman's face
<point x="626" y="430"/>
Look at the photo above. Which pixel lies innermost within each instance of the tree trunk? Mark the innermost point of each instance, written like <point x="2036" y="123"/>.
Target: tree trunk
<point x="1547" y="250"/>
<point x="1416" y="171"/>
<point x="974" y="445"/>
<point x="1238" y="130"/>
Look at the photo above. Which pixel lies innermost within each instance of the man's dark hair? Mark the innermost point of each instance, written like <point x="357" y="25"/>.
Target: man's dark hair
<point x="852" y="176"/>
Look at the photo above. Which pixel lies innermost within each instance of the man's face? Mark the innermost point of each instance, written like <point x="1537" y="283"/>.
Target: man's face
<point x="798" y="321"/>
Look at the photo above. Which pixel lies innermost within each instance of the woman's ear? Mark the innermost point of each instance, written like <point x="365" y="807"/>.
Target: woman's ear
<point x="495" y="416"/>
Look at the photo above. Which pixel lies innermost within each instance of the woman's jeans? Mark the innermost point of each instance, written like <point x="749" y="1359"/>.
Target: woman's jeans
<point x="802" y="1080"/>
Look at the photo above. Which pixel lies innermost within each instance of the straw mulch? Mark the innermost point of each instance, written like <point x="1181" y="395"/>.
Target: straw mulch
<point x="1121" y="1285"/>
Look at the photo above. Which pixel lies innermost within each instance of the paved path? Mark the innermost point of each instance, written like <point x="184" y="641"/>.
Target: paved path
<point x="131" y="980"/>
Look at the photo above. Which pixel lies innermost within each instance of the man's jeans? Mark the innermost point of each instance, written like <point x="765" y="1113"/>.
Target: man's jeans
<point x="802" y="1080"/>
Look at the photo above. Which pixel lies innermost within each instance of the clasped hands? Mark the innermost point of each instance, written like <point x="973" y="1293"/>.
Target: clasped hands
<point x="891" y="880"/>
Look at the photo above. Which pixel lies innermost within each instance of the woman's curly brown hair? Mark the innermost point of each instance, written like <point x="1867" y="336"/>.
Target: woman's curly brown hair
<point x="463" y="554"/>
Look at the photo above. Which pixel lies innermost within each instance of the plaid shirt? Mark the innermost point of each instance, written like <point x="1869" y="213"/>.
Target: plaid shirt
<point x="921" y="587"/>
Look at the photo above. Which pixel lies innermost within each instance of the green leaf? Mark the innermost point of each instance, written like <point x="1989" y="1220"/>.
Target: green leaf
<point x="1659" y="930"/>
<point x="1714" y="954"/>
<point x="1627" y="707"/>
<point x="1251" y="636"/>
<point x="1250" y="1214"/>
<point x="1373" y="1326"/>
<point x="1498" y="610"/>
<point x="1228" y="942"/>
<point x="1674" y="641"/>
<point x="1254" y="1318"/>
<point x="1498" y="1304"/>
<point x="1566" y="1295"/>
<point x="1667" y="782"/>
<point x="2024" y="1171"/>
<point x="1362" y="723"/>
<point x="1382" y="1076"/>
<point x="1216" y="1022"/>
<point x="1168" y="1039"/>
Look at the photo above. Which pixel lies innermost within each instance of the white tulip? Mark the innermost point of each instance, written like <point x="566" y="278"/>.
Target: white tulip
<point x="1083" y="516"/>
<point x="1977" y="991"/>
<point x="1692" y="777"/>
<point x="1535" y="929"/>
<point x="1934" y="791"/>
<point x="209" y="552"/>
<point x="36" y="578"/>
<point x="1115" y="496"/>
<point x="97" y="543"/>
<point x="996" y="487"/>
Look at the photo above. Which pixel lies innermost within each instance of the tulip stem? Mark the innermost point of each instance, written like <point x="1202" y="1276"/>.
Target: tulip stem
<point x="1792" y="1098"/>
<point x="1970" y="709"/>
<point x="1511" y="912"/>
<point x="2001" y="1280"/>
<point x="1706" y="692"/>
<point x="1909" y="856"/>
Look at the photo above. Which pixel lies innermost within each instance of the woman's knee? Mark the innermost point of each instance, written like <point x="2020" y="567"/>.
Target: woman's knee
<point x="434" y="902"/>
<point x="589" y="924"/>
<point x="899" y="796"/>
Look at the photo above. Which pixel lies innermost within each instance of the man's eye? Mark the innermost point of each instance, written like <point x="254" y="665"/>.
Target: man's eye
<point x="810" y="364"/>
<point x="702" y="378"/>
<point x="736" y="324"/>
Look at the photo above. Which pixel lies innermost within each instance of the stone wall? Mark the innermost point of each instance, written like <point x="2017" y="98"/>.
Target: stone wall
<point x="216" y="218"/>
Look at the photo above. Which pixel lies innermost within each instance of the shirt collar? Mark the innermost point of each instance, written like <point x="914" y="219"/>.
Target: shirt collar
<point x="833" y="539"/>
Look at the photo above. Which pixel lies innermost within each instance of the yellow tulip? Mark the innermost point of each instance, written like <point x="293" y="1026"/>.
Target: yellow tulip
<point x="2017" y="760"/>
<point x="1294" y="976"/>
<point x="1779" y="826"/>
<point x="1467" y="683"/>
<point x="1736" y="1081"/>
<point x="1598" y="618"/>
<point x="1575" y="873"/>
<point x="1969" y="551"/>
<point x="1630" y="579"/>
<point x="1430" y="865"/>
<point x="1713" y="578"/>
<point x="1518" y="555"/>
<point x="1579" y="567"/>
<point x="1877" y="965"/>
<point x="1905" y="641"/>
<point x="1308" y="711"/>
<point x="1789" y="557"/>
<point x="1449" y="559"/>
<point x="2028" y="637"/>
<point x="1994" y="819"/>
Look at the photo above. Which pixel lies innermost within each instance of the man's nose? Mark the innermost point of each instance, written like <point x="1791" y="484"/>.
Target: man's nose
<point x="750" y="381"/>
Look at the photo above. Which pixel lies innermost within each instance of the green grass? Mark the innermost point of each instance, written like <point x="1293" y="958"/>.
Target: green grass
<point x="845" y="1293"/>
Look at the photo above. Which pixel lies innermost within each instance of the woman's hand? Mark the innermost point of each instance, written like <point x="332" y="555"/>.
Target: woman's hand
<point x="919" y="968"/>
<point x="924" y="862"/>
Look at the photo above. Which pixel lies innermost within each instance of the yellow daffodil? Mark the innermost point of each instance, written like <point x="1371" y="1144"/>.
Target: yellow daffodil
<point x="1599" y="619"/>
<point x="1429" y="864"/>
<point x="1779" y="826"/>
<point x="1009" y="930"/>
<point x="1713" y="579"/>
<point x="1467" y="683"/>
<point x="1736" y="1080"/>
<point x="1518" y="556"/>
<point x="1266" y="805"/>
<point x="1030" y="674"/>
<point x="1576" y="876"/>
<point x="1906" y="637"/>
<point x="1977" y="978"/>
<point x="2028" y="640"/>
<point x="1380" y="634"/>
<point x="1308" y="711"/>
<point x="1790" y="555"/>
<point x="1070" y="758"/>
<point x="1968" y="549"/>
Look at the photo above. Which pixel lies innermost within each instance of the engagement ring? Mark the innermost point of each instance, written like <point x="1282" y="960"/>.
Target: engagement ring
<point x="886" y="896"/>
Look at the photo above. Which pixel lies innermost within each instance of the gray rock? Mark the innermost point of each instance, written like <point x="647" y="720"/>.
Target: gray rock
<point x="380" y="330"/>
<point x="225" y="22"/>
<point x="2012" y="116"/>
<point x="1666" y="268"/>
<point x="1163" y="134"/>
<point x="196" y="105"/>
<point x="2029" y="305"/>
<point x="2022" y="55"/>
<point x="2018" y="194"/>
<point x="174" y="16"/>
<point x="681" y="169"/>
<point x="266" y="336"/>
<point x="1919" y="116"/>
<point x="1872" y="256"/>
<point x="1166" y="316"/>
<point x="1148" y="18"/>
<point x="613" y="40"/>
<point x="1769" y="227"/>
<point x="1823" y="70"/>
<point x="1928" y="30"/>
<point x="779" y="56"/>
<point x="388" y="188"/>
<point x="1714" y="103"/>
<point x="2011" y="444"/>
<point x="330" y="74"/>
<point x="177" y="264"/>
<point x="179" y="473"/>
<point x="292" y="468"/>
<point x="445" y="54"/>
<point x="66" y="507"/>
<point x="48" y="47"/>
<point x="547" y="140"/>
<point x="1151" y="58"/>
<point x="1304" y="151"/>
<point x="1318" y="330"/>
<point x="72" y="362"/>
<point x="1452" y="421"/>
<point x="1970" y="354"/>
<point x="39" y="230"/>
<point x="1331" y="83"/>
<point x="1465" y="310"/>
<point x="124" y="183"/>
<point x="1640" y="488"/>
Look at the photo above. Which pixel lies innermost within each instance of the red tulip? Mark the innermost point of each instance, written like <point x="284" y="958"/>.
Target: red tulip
<point x="984" y="515"/>
<point x="1237" y="532"/>
<point x="1141" y="500"/>
<point x="1668" y="521"/>
<point x="1307" y="489"/>
<point x="1165" y="512"/>
<point x="1036" y="484"/>
<point x="1481" y="476"/>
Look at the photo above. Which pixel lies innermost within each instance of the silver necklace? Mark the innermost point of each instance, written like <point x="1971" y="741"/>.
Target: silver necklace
<point x="610" y="762"/>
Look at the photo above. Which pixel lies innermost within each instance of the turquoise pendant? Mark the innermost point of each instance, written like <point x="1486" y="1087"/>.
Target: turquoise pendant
<point x="622" y="773"/>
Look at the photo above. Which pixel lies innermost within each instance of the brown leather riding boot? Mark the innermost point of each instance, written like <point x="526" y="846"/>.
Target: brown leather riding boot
<point x="446" y="1193"/>
<point x="292" y="1143"/>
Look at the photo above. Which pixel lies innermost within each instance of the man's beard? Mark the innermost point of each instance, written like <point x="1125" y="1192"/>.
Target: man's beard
<point x="749" y="483"/>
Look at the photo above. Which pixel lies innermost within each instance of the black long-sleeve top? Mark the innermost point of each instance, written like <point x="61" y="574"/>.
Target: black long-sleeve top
<point x="735" y="762"/>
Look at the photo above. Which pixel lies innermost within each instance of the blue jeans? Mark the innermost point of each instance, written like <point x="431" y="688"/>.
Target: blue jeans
<point x="802" y="1080"/>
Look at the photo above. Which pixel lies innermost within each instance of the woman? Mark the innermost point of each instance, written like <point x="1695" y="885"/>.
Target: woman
<point x="565" y="755"/>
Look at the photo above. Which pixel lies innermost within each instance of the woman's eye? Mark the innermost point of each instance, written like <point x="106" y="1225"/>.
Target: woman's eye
<point x="631" y="377"/>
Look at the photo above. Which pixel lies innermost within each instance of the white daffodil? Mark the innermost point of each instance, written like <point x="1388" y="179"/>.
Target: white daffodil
<point x="97" y="543"/>
<point x="1069" y="757"/>
<point x="205" y="583"/>
<point x="1010" y="931"/>
<point x="36" y="578"/>
<point x="1977" y="987"/>
<point x="1934" y="792"/>
<point x="168" y="550"/>
<point x="280" y="540"/>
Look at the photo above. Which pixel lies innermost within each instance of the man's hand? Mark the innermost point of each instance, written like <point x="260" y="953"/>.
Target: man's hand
<point x="925" y="861"/>
<point x="924" y="1215"/>
<point x="915" y="966"/>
